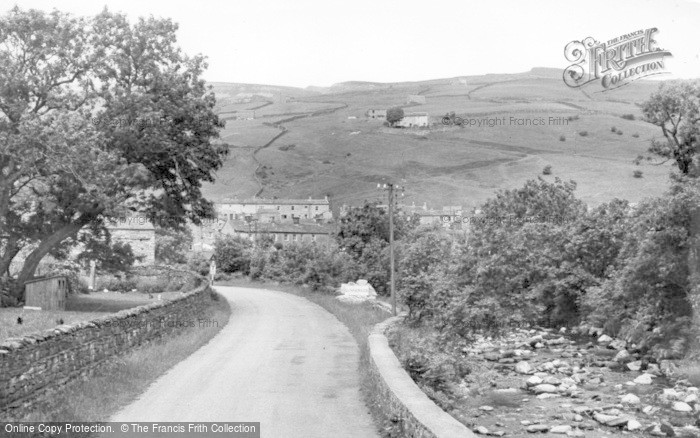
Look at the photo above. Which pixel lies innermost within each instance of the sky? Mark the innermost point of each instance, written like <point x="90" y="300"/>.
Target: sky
<point x="322" y="42"/>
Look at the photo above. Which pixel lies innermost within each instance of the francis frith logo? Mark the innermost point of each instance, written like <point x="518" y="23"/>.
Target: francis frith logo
<point x="616" y="62"/>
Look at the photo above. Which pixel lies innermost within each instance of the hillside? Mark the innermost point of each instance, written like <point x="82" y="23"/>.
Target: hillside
<point x="324" y="144"/>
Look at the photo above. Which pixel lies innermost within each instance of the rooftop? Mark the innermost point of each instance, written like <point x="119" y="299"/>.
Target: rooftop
<point x="274" y="227"/>
<point x="260" y="201"/>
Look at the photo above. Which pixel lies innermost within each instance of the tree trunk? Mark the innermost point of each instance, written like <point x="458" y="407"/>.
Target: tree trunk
<point x="46" y="245"/>
<point x="8" y="254"/>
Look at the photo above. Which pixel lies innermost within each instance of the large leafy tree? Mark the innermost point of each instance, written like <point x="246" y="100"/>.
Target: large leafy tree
<point x="364" y="234"/>
<point x="98" y="118"/>
<point x="675" y="108"/>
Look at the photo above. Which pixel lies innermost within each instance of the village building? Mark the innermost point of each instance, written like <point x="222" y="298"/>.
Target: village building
<point x="139" y="233"/>
<point x="376" y="114"/>
<point x="276" y="210"/>
<point x="414" y="120"/>
<point x="280" y="232"/>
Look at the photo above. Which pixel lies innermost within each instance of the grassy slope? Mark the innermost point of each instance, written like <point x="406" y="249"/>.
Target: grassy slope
<point x="344" y="157"/>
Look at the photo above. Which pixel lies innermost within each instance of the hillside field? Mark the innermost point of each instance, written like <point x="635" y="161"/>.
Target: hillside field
<point x="330" y="147"/>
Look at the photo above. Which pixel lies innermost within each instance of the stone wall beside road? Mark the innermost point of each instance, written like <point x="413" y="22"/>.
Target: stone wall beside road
<point x="34" y="366"/>
<point x="401" y="400"/>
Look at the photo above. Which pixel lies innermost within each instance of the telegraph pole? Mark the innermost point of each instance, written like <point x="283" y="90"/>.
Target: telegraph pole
<point x="392" y="287"/>
<point x="391" y="247"/>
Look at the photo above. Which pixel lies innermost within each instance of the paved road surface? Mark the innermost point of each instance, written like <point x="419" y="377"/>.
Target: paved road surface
<point x="281" y="360"/>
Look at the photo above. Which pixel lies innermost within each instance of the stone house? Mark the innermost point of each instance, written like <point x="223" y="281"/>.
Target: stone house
<point x="275" y="210"/>
<point x="376" y="113"/>
<point x="139" y="233"/>
<point x="414" y="120"/>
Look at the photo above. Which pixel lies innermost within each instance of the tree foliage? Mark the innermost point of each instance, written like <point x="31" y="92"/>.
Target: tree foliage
<point x="98" y="117"/>
<point x="394" y="115"/>
<point x="675" y="108"/>
<point x="172" y="246"/>
<point x="364" y="234"/>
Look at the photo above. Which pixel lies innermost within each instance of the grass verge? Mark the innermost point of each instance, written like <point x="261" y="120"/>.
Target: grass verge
<point x="16" y="321"/>
<point x="358" y="318"/>
<point x="123" y="378"/>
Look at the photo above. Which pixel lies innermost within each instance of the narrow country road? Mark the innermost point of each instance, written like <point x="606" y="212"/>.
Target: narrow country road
<point x="281" y="360"/>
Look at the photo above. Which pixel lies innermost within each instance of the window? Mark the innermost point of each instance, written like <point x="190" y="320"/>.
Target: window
<point x="230" y="216"/>
<point x="278" y="207"/>
<point x="284" y="216"/>
<point x="317" y="208"/>
<point x="292" y="207"/>
<point x="286" y="237"/>
<point x="313" y="237"/>
<point x="306" y="216"/>
<point x="294" y="237"/>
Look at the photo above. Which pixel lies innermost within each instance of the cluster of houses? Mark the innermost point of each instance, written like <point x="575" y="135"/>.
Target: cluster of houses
<point x="282" y="220"/>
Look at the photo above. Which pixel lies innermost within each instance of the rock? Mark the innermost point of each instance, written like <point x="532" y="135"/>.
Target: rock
<point x="633" y="425"/>
<point x="534" y="340"/>
<point x="545" y="388"/>
<point x="604" y="340"/>
<point x="523" y="367"/>
<point x="546" y="395"/>
<point x="604" y="419"/>
<point x="618" y="344"/>
<point x="497" y="433"/>
<point x="669" y="394"/>
<point x="630" y="399"/>
<point x="622" y="356"/>
<point x="539" y="345"/>
<point x="481" y="430"/>
<point x="533" y="381"/>
<point x="581" y="409"/>
<point x="492" y="356"/>
<point x="667" y="368"/>
<point x="691" y="398"/>
<point x="551" y="380"/>
<point x="562" y="429"/>
<point x="558" y="341"/>
<point x="576" y="433"/>
<point x="595" y="331"/>
<point x="618" y="422"/>
<point x="649" y="410"/>
<point x="654" y="369"/>
<point x="634" y="365"/>
<point x="667" y="429"/>
<point x="486" y="408"/>
<point x="534" y="428"/>
<point x="680" y="406"/>
<point x="547" y="366"/>
<point x="644" y="379"/>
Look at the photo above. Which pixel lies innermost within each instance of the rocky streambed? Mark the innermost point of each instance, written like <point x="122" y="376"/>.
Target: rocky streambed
<point x="555" y="383"/>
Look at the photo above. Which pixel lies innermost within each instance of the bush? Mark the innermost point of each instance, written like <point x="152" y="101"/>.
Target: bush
<point x="628" y="116"/>
<point x="613" y="129"/>
<point x="583" y="133"/>
<point x="232" y="254"/>
<point x="572" y="118"/>
<point x="635" y="135"/>
<point x="547" y="170"/>
<point x="637" y="174"/>
<point x="619" y="132"/>
<point x="562" y="138"/>
<point x="321" y="267"/>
